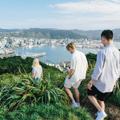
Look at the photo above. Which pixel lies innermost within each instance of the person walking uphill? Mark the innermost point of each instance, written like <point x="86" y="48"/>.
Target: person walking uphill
<point x="105" y="75"/>
<point x="76" y="73"/>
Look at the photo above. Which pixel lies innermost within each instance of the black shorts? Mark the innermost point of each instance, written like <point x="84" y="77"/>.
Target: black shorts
<point x="100" y="96"/>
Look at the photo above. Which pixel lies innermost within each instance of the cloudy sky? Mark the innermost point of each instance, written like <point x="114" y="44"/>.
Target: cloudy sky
<point x="62" y="14"/>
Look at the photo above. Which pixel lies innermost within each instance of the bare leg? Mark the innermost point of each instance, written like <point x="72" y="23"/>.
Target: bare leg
<point x="77" y="95"/>
<point x="102" y="104"/>
<point x="69" y="93"/>
<point x="95" y="103"/>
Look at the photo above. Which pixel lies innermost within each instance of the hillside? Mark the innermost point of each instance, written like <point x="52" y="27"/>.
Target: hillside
<point x="21" y="99"/>
<point x="56" y="33"/>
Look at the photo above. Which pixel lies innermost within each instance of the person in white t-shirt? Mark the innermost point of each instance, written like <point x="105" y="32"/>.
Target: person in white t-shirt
<point x="76" y="73"/>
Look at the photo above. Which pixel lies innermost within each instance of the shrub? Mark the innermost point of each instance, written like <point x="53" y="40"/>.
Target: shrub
<point x="26" y="92"/>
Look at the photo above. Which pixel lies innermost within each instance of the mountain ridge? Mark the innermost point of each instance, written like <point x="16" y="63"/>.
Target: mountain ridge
<point x="53" y="33"/>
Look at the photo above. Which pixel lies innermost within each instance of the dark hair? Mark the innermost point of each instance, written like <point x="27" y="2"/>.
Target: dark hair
<point x="108" y="34"/>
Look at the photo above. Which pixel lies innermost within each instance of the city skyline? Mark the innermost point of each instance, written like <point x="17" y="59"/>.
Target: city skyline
<point x="60" y="14"/>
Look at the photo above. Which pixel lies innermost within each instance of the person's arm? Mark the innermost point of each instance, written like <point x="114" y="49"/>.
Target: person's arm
<point x="71" y="72"/>
<point x="72" y="67"/>
<point x="41" y="72"/>
<point x="86" y="62"/>
<point x="99" y="66"/>
<point x="33" y="73"/>
<point x="98" y="69"/>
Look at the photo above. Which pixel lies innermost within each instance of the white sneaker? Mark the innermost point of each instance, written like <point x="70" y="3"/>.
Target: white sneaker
<point x="101" y="116"/>
<point x="96" y="113"/>
<point x="74" y="105"/>
<point x="78" y="104"/>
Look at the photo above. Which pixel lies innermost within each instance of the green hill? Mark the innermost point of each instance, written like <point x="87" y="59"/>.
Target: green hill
<point x="21" y="99"/>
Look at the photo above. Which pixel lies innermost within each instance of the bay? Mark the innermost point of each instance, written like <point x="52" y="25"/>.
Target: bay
<point x="55" y="54"/>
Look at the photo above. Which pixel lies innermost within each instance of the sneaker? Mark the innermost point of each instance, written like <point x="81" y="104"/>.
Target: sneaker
<point x="96" y="113"/>
<point x="78" y="104"/>
<point x="74" y="105"/>
<point x="101" y="116"/>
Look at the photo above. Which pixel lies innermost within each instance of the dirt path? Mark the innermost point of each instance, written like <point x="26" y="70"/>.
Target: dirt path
<point x="112" y="110"/>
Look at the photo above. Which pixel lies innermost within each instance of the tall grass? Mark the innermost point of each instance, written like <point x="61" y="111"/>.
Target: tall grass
<point x="21" y="99"/>
<point x="46" y="112"/>
<point x="26" y="92"/>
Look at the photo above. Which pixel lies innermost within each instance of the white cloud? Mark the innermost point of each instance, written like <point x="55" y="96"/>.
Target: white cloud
<point x="85" y="14"/>
<point x="115" y="1"/>
<point x="91" y="6"/>
<point x="88" y="14"/>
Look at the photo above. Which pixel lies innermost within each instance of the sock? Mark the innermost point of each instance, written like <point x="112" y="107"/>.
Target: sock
<point x="78" y="103"/>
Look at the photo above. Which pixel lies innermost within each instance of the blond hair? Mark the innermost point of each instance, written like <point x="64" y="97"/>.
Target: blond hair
<point x="36" y="62"/>
<point x="71" y="45"/>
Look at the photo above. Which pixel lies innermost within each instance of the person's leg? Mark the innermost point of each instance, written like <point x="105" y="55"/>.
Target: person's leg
<point x="67" y="86"/>
<point x="69" y="93"/>
<point x="91" y="95"/>
<point x="77" y="95"/>
<point x="102" y="104"/>
<point x="102" y="97"/>
<point x="76" y="91"/>
<point x="94" y="101"/>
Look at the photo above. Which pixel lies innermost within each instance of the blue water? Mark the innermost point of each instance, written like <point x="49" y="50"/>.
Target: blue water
<point x="55" y="54"/>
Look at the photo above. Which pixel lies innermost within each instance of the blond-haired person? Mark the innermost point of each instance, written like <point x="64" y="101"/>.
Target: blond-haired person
<point x="76" y="73"/>
<point x="36" y="71"/>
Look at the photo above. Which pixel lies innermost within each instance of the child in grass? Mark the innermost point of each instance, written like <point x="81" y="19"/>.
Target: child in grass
<point x="36" y="71"/>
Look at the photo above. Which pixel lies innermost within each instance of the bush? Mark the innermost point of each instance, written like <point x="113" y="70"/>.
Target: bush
<point x="26" y="92"/>
<point x="18" y="90"/>
<point x="18" y="65"/>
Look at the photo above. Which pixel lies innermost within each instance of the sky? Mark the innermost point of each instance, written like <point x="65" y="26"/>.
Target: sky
<point x="60" y="14"/>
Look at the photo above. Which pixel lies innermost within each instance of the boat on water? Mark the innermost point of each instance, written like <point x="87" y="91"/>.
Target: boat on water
<point x="6" y="51"/>
<point x="9" y="51"/>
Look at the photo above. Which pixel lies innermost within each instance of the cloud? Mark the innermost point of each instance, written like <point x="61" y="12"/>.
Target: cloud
<point x="85" y="14"/>
<point x="115" y="1"/>
<point x="91" y="6"/>
<point x="88" y="14"/>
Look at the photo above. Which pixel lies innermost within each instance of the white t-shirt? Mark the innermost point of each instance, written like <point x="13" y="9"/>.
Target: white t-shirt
<point x="37" y="71"/>
<point x="79" y="64"/>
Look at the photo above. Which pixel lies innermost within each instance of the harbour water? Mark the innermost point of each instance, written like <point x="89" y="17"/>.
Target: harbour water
<point x="54" y="54"/>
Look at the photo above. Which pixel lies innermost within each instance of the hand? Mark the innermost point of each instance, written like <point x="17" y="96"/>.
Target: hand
<point x="90" y="84"/>
<point x="69" y="77"/>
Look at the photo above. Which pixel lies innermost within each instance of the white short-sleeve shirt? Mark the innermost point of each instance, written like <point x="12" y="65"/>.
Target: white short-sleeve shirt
<point x="37" y="71"/>
<point x="79" y="64"/>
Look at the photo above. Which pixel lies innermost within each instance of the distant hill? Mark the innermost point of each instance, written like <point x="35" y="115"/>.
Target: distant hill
<point x="56" y="33"/>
